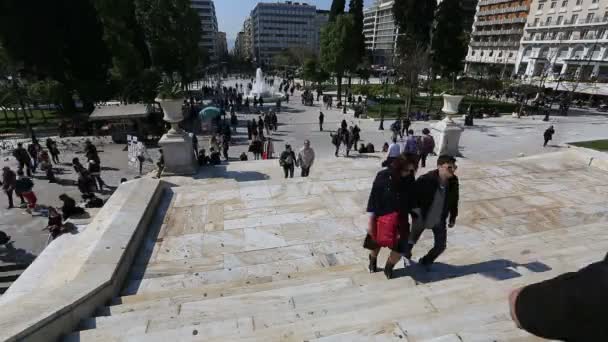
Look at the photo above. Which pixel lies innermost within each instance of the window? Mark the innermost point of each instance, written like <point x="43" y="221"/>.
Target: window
<point x="553" y="4"/>
<point x="473" y="53"/>
<point x="574" y="19"/>
<point x="536" y="21"/>
<point x="594" y="1"/>
<point x="510" y="54"/>
<point x="583" y="34"/>
<point x="579" y="2"/>
<point x="541" y="5"/>
<point x="481" y="53"/>
<point x="601" y="33"/>
<point x="590" y="17"/>
<point x="548" y="21"/>
<point x="500" y="54"/>
<point x="491" y="53"/>
<point x="564" y="3"/>
<point x="559" y="20"/>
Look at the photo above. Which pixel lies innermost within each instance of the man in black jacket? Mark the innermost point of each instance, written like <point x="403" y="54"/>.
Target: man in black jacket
<point x="437" y="196"/>
<point x="570" y="307"/>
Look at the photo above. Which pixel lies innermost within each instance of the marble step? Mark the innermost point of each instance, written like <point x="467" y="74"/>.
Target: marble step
<point x="444" y="338"/>
<point x="282" y="299"/>
<point x="387" y="332"/>
<point x="176" y="297"/>
<point x="464" y="257"/>
<point x="457" y="297"/>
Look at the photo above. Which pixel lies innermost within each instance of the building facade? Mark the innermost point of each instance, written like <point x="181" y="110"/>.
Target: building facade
<point x="567" y="39"/>
<point x="381" y="32"/>
<point x="206" y="13"/>
<point x="495" y="37"/>
<point x="222" y="45"/>
<point x="279" y="26"/>
<point x="243" y="47"/>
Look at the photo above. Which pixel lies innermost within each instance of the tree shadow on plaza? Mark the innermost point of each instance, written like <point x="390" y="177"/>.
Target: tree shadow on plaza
<point x="499" y="269"/>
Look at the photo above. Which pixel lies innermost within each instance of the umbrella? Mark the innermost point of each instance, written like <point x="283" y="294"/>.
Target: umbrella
<point x="209" y="113"/>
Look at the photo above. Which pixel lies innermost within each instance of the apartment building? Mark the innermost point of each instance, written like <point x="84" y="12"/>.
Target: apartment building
<point x="209" y="37"/>
<point x="279" y="26"/>
<point x="565" y="38"/>
<point x="243" y="46"/>
<point x="495" y="37"/>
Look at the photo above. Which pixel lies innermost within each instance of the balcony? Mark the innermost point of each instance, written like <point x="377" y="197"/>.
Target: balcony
<point x="513" y="9"/>
<point x="495" y="44"/>
<point x="500" y="21"/>
<point x="565" y="23"/>
<point x="498" y="32"/>
<point x="492" y="2"/>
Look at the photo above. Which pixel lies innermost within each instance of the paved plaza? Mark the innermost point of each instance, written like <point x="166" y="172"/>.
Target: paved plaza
<point x="491" y="139"/>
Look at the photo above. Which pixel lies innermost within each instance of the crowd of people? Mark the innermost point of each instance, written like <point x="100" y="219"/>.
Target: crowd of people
<point x="34" y="158"/>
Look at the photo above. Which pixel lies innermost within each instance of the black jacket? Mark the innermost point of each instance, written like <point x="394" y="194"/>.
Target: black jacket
<point x="426" y="186"/>
<point x="387" y="197"/>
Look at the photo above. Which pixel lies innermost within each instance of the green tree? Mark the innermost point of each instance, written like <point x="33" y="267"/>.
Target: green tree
<point x="449" y="39"/>
<point x="415" y="21"/>
<point x="126" y="42"/>
<point x="172" y="30"/>
<point x="358" y="39"/>
<point x="336" y="47"/>
<point x="337" y="8"/>
<point x="58" y="39"/>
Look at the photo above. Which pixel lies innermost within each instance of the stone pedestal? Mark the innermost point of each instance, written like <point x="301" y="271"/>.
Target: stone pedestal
<point x="178" y="154"/>
<point x="448" y="133"/>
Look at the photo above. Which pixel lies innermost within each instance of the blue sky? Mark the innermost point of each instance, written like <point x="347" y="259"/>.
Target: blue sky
<point x="232" y="13"/>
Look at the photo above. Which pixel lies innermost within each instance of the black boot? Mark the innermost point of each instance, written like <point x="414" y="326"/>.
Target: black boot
<point x="373" y="261"/>
<point x="388" y="270"/>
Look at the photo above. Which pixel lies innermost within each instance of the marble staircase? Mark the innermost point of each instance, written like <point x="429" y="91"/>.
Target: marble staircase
<point x="269" y="259"/>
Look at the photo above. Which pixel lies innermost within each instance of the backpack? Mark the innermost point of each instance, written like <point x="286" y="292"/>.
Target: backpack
<point x="428" y="144"/>
<point x="411" y="145"/>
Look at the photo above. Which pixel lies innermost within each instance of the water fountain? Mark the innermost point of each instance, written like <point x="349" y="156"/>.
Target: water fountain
<point x="261" y="89"/>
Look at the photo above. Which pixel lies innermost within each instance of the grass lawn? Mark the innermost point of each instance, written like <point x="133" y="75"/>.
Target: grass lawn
<point x="598" y="145"/>
<point x="8" y="122"/>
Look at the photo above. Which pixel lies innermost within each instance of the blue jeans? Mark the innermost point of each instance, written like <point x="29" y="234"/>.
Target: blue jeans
<point x="440" y="235"/>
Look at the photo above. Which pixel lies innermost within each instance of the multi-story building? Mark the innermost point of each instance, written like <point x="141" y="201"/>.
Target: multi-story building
<point x="206" y="13"/>
<point x="279" y="26"/>
<point x="243" y="44"/>
<point x="497" y="31"/>
<point x="565" y="38"/>
<point x="222" y="45"/>
<point x="381" y="31"/>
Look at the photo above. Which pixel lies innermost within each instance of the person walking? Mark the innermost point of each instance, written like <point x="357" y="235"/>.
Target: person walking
<point x="23" y="158"/>
<point x="394" y="151"/>
<point x="24" y="189"/>
<point x="234" y="121"/>
<point x="548" y="135"/>
<point x="356" y="136"/>
<point x="8" y="183"/>
<point x="248" y="130"/>
<point x="90" y="151"/>
<point x="390" y="203"/>
<point x="427" y="146"/>
<point x="306" y="157"/>
<point x="437" y="196"/>
<point x="194" y="147"/>
<point x="225" y="145"/>
<point x="321" y="119"/>
<point x="54" y="151"/>
<point x="160" y="164"/>
<point x="288" y="161"/>
<point x="33" y="149"/>
<point x="95" y="172"/>
<point x="405" y="125"/>
<point x="256" y="147"/>
<point x="411" y="143"/>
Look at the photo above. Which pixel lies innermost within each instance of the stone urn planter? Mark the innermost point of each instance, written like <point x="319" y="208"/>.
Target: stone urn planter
<point x="450" y="105"/>
<point x="173" y="114"/>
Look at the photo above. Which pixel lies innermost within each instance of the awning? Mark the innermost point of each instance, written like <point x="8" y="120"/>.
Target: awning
<point x="118" y="112"/>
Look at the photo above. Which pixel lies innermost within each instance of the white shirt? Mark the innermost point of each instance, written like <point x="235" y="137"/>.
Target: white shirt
<point x="394" y="150"/>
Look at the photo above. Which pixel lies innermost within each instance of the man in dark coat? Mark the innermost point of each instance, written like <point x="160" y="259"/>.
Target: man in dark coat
<point x="23" y="158"/>
<point x="437" y="195"/>
<point x="8" y="183"/>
